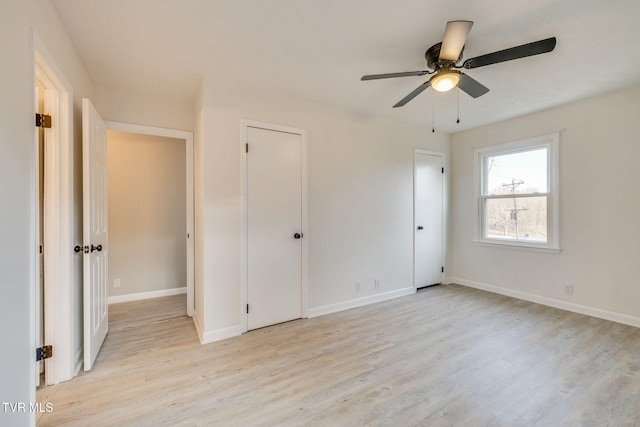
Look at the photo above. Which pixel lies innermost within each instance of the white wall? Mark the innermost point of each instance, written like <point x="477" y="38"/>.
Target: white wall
<point x="147" y="213"/>
<point x="360" y="198"/>
<point x="141" y="109"/>
<point x="599" y="205"/>
<point x="17" y="185"/>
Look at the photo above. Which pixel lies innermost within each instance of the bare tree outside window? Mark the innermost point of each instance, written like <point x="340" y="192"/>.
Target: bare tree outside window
<point x="515" y="195"/>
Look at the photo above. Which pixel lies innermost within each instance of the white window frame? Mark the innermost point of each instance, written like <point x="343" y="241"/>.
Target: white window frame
<point x="551" y="142"/>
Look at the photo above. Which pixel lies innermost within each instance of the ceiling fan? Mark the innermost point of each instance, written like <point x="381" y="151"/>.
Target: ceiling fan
<point x="443" y="58"/>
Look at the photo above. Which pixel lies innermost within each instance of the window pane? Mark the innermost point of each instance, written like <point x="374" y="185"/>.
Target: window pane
<point x="517" y="173"/>
<point x="518" y="218"/>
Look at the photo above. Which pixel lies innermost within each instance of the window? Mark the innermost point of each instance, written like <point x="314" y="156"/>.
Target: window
<point x="517" y="187"/>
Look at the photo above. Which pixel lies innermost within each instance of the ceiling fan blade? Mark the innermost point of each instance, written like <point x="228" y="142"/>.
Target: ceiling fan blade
<point x="455" y="36"/>
<point x="413" y="94"/>
<point x="391" y="75"/>
<point x="471" y="86"/>
<point x="529" y="49"/>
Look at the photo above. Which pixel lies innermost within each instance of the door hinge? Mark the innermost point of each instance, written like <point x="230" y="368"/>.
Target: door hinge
<point x="44" y="352"/>
<point x="246" y="147"/>
<point x="43" y="120"/>
<point x="247" y="308"/>
<point x="442" y="170"/>
<point x="443" y="269"/>
<point x="40" y="248"/>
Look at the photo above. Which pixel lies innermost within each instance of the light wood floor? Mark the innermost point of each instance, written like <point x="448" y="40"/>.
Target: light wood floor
<point x="448" y="355"/>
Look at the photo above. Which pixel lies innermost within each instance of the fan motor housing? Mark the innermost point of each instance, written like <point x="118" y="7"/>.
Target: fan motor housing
<point x="432" y="55"/>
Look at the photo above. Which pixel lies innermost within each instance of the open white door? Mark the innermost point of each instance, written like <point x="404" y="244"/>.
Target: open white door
<point x="39" y="136"/>
<point x="94" y="193"/>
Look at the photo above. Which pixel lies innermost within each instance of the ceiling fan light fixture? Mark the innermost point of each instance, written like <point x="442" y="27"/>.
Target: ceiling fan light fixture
<point x="444" y="81"/>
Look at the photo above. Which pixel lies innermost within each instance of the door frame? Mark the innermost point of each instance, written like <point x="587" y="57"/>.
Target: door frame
<point x="244" y="125"/>
<point x="443" y="155"/>
<point x="59" y="277"/>
<point x="187" y="136"/>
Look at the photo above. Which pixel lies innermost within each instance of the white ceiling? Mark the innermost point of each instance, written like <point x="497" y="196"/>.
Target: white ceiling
<point x="318" y="50"/>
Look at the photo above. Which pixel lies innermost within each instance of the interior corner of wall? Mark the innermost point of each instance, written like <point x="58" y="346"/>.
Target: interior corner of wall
<point x="199" y="326"/>
<point x="220" y="334"/>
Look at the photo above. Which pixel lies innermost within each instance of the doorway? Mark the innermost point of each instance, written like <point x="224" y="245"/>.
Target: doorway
<point x="171" y="234"/>
<point x="274" y="224"/>
<point x="148" y="244"/>
<point x="428" y="218"/>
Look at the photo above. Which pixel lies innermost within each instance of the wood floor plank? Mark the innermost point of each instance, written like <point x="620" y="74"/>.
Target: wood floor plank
<point x="448" y="355"/>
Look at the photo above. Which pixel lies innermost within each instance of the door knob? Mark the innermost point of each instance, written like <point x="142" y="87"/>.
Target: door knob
<point x="420" y="228"/>
<point x="96" y="248"/>
<point x="297" y="235"/>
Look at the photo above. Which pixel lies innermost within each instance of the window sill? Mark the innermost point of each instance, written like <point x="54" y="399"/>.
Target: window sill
<point x="519" y="246"/>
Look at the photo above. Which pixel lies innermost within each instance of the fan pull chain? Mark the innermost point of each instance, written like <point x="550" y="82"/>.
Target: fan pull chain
<point x="458" y="96"/>
<point x="433" y="115"/>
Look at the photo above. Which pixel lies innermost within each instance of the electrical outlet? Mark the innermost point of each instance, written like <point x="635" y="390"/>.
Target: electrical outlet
<point x="116" y="283"/>
<point x="358" y="286"/>
<point x="568" y="289"/>
<point x="377" y="283"/>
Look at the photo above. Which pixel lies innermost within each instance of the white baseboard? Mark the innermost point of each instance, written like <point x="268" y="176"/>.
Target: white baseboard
<point x="207" y="337"/>
<point x="234" y="331"/>
<point x="221" y="334"/>
<point x="552" y="302"/>
<point x="359" y="302"/>
<point x="146" y="295"/>
<point x="447" y="280"/>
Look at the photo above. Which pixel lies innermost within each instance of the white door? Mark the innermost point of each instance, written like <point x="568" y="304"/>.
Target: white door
<point x="94" y="193"/>
<point x="274" y="227"/>
<point x="428" y="219"/>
